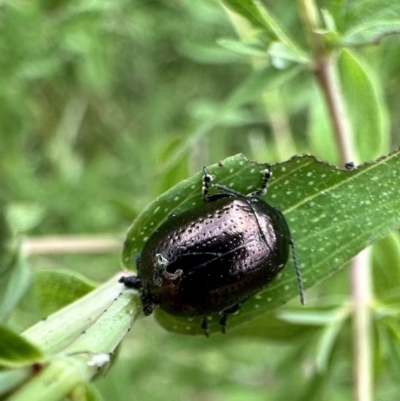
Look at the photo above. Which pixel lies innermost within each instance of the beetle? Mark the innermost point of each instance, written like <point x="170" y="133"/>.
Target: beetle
<point x="212" y="258"/>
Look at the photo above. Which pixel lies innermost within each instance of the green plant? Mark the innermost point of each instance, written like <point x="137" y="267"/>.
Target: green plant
<point x="328" y="82"/>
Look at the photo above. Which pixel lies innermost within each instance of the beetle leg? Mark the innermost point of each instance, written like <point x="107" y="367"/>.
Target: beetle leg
<point x="207" y="178"/>
<point x="225" y="313"/>
<point x="222" y="322"/>
<point x="350" y="166"/>
<point x="267" y="175"/>
<point x="148" y="304"/>
<point x="173" y="276"/>
<point x="227" y="192"/>
<point x="205" y="327"/>
<point x="207" y="184"/>
<point x="135" y="283"/>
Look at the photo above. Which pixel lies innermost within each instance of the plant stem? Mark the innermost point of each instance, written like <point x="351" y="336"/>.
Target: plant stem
<point x="326" y="74"/>
<point x="60" y="329"/>
<point x="79" y="340"/>
<point x="362" y="336"/>
<point x="71" y="244"/>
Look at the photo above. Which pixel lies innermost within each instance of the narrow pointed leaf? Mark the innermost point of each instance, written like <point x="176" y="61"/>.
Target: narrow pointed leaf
<point x="14" y="280"/>
<point x="56" y="289"/>
<point x="11" y="378"/>
<point x="386" y="268"/>
<point x="260" y="17"/>
<point x="333" y="214"/>
<point x="14" y="271"/>
<point x="15" y="350"/>
<point x="365" y="104"/>
<point x="368" y="21"/>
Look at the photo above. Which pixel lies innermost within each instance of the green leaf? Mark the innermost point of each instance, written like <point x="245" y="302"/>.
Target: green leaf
<point x="274" y="326"/>
<point x="260" y="17"/>
<point x="328" y="337"/>
<point x="209" y="54"/>
<point x="24" y="216"/>
<point x="247" y="49"/>
<point x="204" y="109"/>
<point x="91" y="393"/>
<point x="336" y="9"/>
<point x="14" y="280"/>
<point x="315" y="387"/>
<point x="386" y="267"/>
<point x="14" y="271"/>
<point x="15" y="350"/>
<point x="389" y="342"/>
<point x="11" y="378"/>
<point x="56" y="289"/>
<point x="282" y="55"/>
<point x="259" y="82"/>
<point x="329" y="21"/>
<point x="369" y="21"/>
<point x="333" y="214"/>
<point x="365" y="104"/>
<point x="320" y="133"/>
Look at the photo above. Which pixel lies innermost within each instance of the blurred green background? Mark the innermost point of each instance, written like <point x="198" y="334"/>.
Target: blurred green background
<point x="104" y="104"/>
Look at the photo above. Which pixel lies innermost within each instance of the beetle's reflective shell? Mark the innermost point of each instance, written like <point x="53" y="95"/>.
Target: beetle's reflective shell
<point x="213" y="257"/>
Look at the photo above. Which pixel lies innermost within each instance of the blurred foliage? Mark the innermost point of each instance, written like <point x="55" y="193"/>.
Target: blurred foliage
<point x="105" y="104"/>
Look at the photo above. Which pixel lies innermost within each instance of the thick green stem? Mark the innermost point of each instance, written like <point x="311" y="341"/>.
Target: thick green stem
<point x="79" y="340"/>
<point x="54" y="333"/>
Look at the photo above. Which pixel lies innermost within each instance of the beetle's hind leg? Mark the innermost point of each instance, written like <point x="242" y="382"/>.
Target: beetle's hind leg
<point x="205" y="327"/>
<point x="225" y="313"/>
<point x="148" y="304"/>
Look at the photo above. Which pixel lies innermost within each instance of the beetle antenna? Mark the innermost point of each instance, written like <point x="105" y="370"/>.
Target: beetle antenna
<point x="298" y="273"/>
